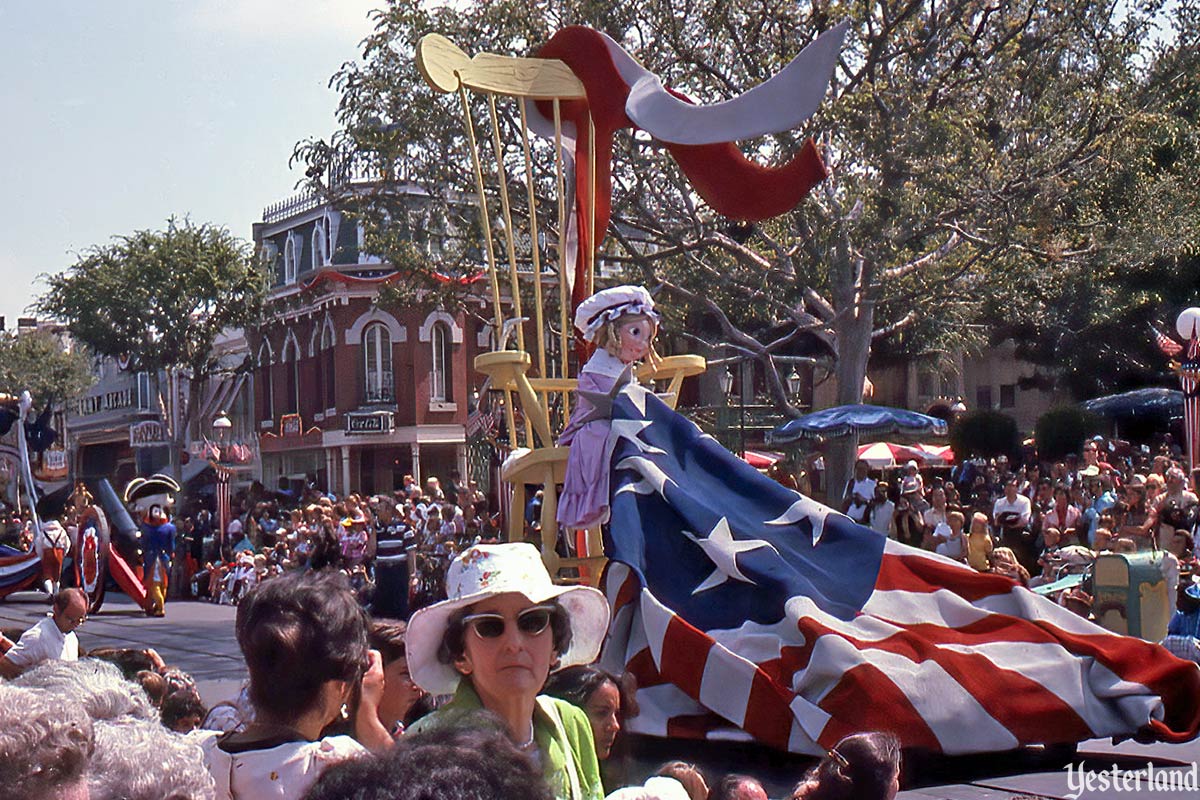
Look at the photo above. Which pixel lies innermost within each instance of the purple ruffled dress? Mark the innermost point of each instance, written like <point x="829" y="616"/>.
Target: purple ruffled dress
<point x="584" y="499"/>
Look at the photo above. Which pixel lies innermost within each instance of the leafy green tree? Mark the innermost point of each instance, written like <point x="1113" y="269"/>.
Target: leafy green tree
<point x="958" y="134"/>
<point x="1144" y="265"/>
<point x="38" y="362"/>
<point x="1061" y="431"/>
<point x="160" y="298"/>
<point x="985" y="433"/>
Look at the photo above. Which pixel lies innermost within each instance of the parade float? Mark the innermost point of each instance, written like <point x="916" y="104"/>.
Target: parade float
<point x="745" y="610"/>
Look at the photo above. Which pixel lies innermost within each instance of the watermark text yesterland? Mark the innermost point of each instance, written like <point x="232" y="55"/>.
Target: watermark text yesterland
<point x="1082" y="781"/>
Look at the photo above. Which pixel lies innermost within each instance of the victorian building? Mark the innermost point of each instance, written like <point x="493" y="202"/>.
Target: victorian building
<point x="346" y="393"/>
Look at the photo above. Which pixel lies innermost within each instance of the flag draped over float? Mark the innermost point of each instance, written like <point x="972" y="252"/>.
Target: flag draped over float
<point x="742" y="607"/>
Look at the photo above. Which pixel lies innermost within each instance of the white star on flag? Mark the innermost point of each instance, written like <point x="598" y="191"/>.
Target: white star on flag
<point x="722" y="549"/>
<point x="630" y="429"/>
<point x="804" y="507"/>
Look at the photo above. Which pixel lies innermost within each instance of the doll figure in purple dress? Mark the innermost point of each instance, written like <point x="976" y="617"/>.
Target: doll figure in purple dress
<point x="622" y="323"/>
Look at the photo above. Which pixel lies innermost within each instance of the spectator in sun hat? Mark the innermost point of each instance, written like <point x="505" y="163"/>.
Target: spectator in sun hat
<point x="493" y="642"/>
<point x="913" y="483"/>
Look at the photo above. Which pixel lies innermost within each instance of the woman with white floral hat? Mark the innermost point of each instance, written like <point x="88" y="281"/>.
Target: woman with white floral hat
<point x="495" y="640"/>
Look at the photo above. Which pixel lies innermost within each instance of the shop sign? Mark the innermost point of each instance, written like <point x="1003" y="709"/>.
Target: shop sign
<point x="291" y="425"/>
<point x="369" y="422"/>
<point x="148" y="433"/>
<point x="55" y="460"/>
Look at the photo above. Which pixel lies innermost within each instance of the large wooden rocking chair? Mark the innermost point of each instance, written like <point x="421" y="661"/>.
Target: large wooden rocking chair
<point x="538" y="384"/>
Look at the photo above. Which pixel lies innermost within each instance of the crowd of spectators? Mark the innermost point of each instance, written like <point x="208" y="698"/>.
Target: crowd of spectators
<point x="356" y="722"/>
<point x="1039" y="523"/>
<point x="426" y="526"/>
<point x="488" y="689"/>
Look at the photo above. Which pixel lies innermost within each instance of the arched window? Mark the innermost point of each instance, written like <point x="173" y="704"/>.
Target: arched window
<point x="441" y="386"/>
<point x="291" y="358"/>
<point x="377" y="358"/>
<point x="329" y="370"/>
<point x="320" y="246"/>
<point x="266" y="408"/>
<point x="290" y="256"/>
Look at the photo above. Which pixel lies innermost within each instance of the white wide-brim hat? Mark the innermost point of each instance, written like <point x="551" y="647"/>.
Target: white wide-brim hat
<point x="487" y="570"/>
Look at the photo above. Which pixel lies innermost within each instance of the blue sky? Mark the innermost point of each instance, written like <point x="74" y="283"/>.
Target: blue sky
<point x="120" y="113"/>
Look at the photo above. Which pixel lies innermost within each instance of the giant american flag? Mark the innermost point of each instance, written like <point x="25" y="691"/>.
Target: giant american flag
<point x="746" y="609"/>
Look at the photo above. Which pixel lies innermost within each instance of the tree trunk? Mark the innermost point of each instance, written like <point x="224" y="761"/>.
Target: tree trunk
<point x="854" y="348"/>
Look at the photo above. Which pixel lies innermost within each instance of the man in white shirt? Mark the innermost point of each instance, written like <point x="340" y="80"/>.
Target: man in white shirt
<point x="881" y="516"/>
<point x="52" y="639"/>
<point x="859" y="492"/>
<point x="1011" y="515"/>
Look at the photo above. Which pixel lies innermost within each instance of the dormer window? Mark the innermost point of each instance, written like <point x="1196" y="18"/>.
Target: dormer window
<point x="320" y="245"/>
<point x="289" y="259"/>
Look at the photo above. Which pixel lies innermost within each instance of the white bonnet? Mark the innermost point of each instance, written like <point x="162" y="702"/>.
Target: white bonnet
<point x="607" y="305"/>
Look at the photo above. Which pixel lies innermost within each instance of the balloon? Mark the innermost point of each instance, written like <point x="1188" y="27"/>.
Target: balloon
<point x="1188" y="322"/>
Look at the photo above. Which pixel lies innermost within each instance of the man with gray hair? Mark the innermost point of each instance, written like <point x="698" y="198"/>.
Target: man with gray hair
<point x="46" y="742"/>
<point x="52" y="639"/>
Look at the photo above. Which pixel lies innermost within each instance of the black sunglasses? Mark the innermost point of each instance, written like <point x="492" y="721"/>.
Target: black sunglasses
<point x="490" y="625"/>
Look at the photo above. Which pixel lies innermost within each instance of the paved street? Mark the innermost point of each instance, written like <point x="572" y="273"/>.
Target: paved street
<point x="198" y="637"/>
<point x="194" y="636"/>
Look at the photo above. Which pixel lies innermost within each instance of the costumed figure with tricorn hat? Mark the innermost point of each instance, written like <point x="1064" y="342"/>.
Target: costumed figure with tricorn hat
<point x="153" y="499"/>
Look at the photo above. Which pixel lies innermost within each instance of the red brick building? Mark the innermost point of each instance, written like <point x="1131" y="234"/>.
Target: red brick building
<point x="347" y="393"/>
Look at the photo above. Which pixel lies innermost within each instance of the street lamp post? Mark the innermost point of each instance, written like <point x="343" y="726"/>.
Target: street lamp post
<point x="726" y="380"/>
<point x="222" y="426"/>
<point x="794" y="383"/>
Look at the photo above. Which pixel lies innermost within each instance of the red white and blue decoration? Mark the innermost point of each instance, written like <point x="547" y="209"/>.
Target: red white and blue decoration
<point x="621" y="93"/>
<point x="746" y="609"/>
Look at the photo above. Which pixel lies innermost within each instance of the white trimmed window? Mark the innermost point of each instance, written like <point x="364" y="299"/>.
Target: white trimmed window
<point x="377" y="362"/>
<point x="290" y="257"/>
<point x="291" y="358"/>
<point x="441" y="388"/>
<point x="328" y="365"/>
<point x="267" y="407"/>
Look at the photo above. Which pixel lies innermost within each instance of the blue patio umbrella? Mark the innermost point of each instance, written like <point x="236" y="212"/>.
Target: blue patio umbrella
<point x="1138" y="403"/>
<point x="857" y="419"/>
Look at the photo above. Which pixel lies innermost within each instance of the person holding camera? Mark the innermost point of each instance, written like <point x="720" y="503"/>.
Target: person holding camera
<point x="304" y="637"/>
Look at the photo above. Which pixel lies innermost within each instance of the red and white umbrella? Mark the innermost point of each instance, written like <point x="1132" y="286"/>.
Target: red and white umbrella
<point x="887" y="454"/>
<point x="761" y="459"/>
<point x="937" y="455"/>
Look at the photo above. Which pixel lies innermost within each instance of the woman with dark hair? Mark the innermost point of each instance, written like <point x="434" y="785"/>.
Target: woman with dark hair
<point x="400" y="694"/>
<point x="495" y="640"/>
<point x="604" y="697"/>
<point x="304" y="638"/>
<point x="862" y="766"/>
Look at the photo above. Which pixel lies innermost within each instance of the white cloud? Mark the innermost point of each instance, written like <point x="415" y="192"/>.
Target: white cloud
<point x="292" y="20"/>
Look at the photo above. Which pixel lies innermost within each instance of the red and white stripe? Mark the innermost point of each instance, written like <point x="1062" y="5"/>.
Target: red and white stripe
<point x="947" y="658"/>
<point x="18" y="572"/>
<point x="1166" y="345"/>
<point x="1191" y="402"/>
<point x="223" y="477"/>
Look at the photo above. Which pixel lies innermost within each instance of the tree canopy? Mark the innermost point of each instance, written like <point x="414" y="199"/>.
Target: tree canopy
<point x="976" y="149"/>
<point x="160" y="298"/>
<point x="37" y="361"/>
